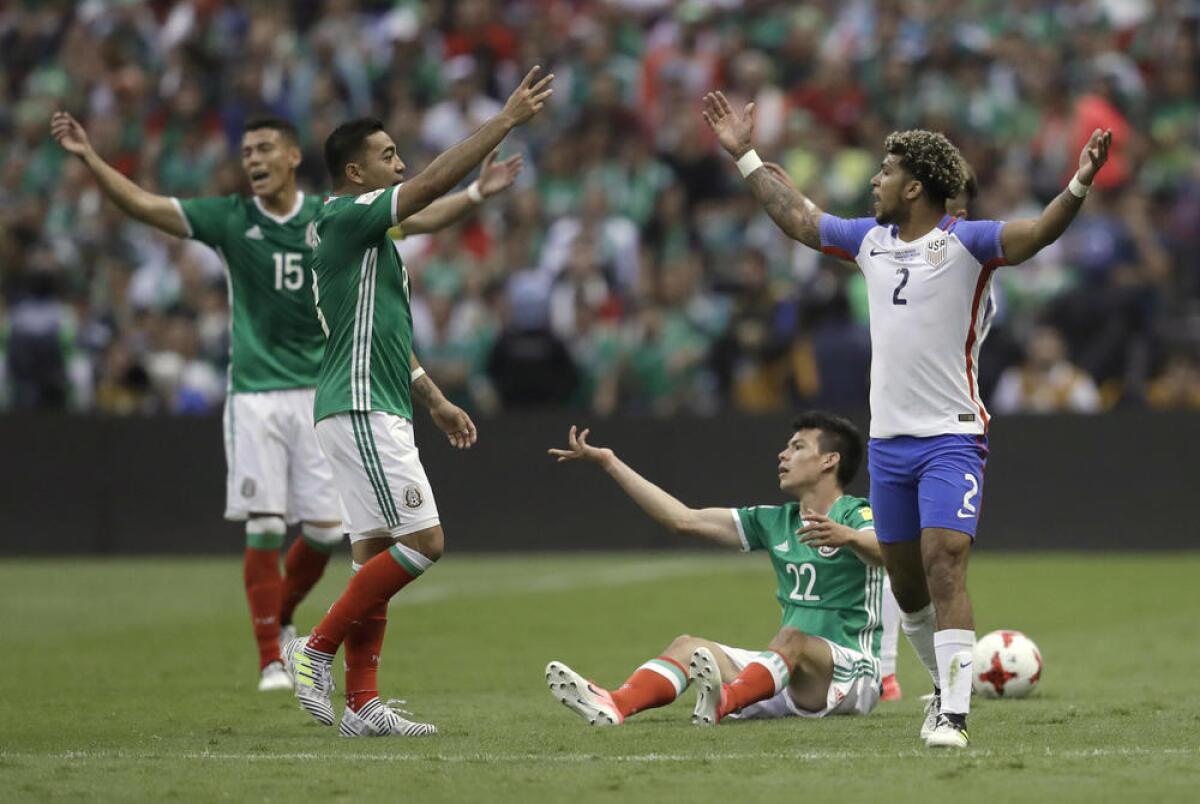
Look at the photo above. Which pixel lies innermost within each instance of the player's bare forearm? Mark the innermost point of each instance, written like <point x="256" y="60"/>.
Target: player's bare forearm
<point x="792" y="211"/>
<point x="712" y="524"/>
<point x="155" y="210"/>
<point x="447" y="210"/>
<point x="424" y="389"/>
<point x="1021" y="239"/>
<point x="866" y="546"/>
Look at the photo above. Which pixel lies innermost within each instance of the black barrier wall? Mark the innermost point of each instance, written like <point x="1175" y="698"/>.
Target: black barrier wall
<point x="80" y="485"/>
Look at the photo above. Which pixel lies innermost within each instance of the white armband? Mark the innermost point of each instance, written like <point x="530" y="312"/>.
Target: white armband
<point x="748" y="163"/>
<point x="474" y="193"/>
<point x="1077" y="188"/>
<point x="418" y="373"/>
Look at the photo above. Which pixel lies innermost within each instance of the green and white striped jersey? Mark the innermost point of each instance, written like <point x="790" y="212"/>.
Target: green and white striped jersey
<point x="361" y="288"/>
<point x="826" y="592"/>
<point x="275" y="341"/>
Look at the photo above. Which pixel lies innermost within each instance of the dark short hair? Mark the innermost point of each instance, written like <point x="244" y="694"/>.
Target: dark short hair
<point x="931" y="159"/>
<point x="345" y="145"/>
<point x="838" y="434"/>
<point x="285" y="127"/>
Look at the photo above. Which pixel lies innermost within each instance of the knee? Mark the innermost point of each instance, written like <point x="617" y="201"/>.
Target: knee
<point x="946" y="573"/>
<point x="790" y="643"/>
<point x="682" y="644"/>
<point x="434" y="546"/>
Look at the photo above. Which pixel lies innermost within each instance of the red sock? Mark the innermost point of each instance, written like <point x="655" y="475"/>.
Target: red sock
<point x="756" y="683"/>
<point x="260" y="572"/>
<point x="364" y="642"/>
<point x="656" y="683"/>
<point x="303" y="566"/>
<point x="372" y="586"/>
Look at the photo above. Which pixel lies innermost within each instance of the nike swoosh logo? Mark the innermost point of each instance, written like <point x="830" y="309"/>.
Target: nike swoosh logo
<point x="961" y="515"/>
<point x="963" y="665"/>
<point x="875" y="253"/>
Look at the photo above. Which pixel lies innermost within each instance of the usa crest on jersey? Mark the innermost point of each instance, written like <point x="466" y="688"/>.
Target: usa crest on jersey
<point x="935" y="251"/>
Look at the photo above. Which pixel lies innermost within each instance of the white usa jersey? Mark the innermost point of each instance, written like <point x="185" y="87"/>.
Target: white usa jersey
<point x="928" y="306"/>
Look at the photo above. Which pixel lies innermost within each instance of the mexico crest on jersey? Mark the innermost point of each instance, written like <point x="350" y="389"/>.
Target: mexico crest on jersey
<point x="935" y="252"/>
<point x="413" y="497"/>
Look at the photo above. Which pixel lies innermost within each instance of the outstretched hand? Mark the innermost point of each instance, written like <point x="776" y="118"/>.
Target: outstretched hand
<point x="496" y="177"/>
<point x="456" y="424"/>
<point x="70" y="134"/>
<point x="529" y="97"/>
<point x="1094" y="154"/>
<point x="734" y="131"/>
<point x="578" y="449"/>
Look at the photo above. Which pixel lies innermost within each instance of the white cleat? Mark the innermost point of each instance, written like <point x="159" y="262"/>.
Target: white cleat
<point x="274" y="677"/>
<point x="312" y="676"/>
<point x="950" y="732"/>
<point x="593" y="704"/>
<point x="710" y="692"/>
<point x="379" y="719"/>
<point x="286" y="634"/>
<point x="933" y="703"/>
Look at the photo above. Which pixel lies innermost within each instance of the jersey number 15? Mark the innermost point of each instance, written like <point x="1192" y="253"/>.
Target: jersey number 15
<point x="289" y="272"/>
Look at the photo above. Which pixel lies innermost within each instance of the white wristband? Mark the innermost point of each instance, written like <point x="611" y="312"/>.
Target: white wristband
<point x="474" y="193"/>
<point x="1077" y="188"/>
<point x="418" y="373"/>
<point x="748" y="163"/>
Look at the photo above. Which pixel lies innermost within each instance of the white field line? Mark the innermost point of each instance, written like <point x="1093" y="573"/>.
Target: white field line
<point x="559" y="581"/>
<point x="580" y="758"/>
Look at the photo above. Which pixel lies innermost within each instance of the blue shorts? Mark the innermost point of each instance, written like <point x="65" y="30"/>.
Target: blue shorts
<point x="934" y="482"/>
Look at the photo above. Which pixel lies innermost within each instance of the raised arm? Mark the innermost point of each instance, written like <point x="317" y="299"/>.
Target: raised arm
<point x="712" y="524"/>
<point x="495" y="177"/>
<point x="1021" y="239"/>
<point x="795" y="214"/>
<point x="158" y="211"/>
<point x="449" y="168"/>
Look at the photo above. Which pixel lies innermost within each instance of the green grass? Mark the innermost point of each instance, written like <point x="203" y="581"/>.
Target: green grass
<point x="134" y="680"/>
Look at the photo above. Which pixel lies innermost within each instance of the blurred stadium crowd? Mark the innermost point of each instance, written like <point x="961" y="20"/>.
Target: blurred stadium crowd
<point x="629" y="269"/>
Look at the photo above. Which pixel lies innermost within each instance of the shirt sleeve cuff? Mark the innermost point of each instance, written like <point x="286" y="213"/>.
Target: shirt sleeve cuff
<point x="741" y="531"/>
<point x="183" y="217"/>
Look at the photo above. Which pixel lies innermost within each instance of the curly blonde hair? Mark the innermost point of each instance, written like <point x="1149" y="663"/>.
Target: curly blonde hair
<point x="931" y="159"/>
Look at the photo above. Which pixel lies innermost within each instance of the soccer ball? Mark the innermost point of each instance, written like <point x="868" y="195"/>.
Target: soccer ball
<point x="1007" y="665"/>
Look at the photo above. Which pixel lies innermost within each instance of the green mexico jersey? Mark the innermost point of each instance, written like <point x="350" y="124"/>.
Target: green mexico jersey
<point x="275" y="339"/>
<point x="362" y="301"/>
<point x="827" y="591"/>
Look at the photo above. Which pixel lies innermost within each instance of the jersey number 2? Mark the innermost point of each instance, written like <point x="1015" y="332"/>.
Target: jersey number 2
<point x="289" y="273"/>
<point x="896" y="297"/>
<point x="800" y="572"/>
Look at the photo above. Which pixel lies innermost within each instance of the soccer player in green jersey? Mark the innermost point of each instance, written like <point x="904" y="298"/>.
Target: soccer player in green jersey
<point x="365" y="389"/>
<point x="825" y="658"/>
<point x="277" y="473"/>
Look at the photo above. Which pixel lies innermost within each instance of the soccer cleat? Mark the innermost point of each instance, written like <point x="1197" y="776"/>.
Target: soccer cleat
<point x="286" y="634"/>
<point x="312" y="677"/>
<point x="593" y="704"/>
<point x="274" y="677"/>
<point x="710" y="692"/>
<point x="950" y="732"/>
<point x="932" y="704"/>
<point x="891" y="689"/>
<point x="379" y="719"/>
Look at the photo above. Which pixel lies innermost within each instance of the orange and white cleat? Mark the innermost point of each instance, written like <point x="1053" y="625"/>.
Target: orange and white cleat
<point x="891" y="689"/>
<point x="594" y="704"/>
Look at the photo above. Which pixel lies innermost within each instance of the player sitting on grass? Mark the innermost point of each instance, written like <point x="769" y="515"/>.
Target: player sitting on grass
<point x="824" y="660"/>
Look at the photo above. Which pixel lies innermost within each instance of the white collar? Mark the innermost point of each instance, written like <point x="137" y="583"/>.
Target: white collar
<point x="281" y="218"/>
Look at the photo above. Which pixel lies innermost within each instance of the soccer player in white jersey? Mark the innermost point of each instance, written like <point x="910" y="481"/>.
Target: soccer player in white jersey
<point x="927" y="275"/>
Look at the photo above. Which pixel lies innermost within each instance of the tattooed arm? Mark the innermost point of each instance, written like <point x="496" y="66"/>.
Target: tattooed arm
<point x="1023" y="238"/>
<point x="796" y="215"/>
<point x="450" y="418"/>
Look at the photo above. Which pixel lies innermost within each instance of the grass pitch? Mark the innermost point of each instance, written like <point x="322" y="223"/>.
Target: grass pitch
<point x="134" y="680"/>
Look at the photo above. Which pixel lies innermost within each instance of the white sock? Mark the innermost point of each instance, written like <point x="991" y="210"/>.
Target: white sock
<point x="918" y="627"/>
<point x="891" y="630"/>
<point x="955" y="648"/>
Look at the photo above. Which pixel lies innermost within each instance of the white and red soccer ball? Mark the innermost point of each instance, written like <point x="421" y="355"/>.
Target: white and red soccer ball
<point x="1007" y="665"/>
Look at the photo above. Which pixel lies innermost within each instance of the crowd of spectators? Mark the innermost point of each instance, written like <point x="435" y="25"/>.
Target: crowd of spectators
<point x="628" y="269"/>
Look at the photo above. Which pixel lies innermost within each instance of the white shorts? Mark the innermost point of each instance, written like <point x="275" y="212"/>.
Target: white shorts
<point x="852" y="692"/>
<point x="378" y="473"/>
<point x="275" y="465"/>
